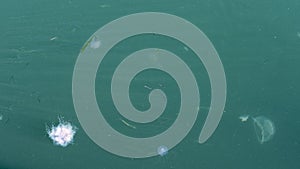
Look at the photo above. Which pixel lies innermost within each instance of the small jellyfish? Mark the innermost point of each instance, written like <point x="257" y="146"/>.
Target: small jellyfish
<point x="162" y="150"/>
<point x="62" y="134"/>
<point x="95" y="43"/>
<point x="264" y="128"/>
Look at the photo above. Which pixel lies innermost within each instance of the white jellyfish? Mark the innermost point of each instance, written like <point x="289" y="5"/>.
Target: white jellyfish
<point x="62" y="134"/>
<point x="162" y="150"/>
<point x="95" y="43"/>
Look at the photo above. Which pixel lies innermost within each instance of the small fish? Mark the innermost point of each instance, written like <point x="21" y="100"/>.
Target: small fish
<point x="244" y="118"/>
<point x="127" y="124"/>
<point x="53" y="38"/>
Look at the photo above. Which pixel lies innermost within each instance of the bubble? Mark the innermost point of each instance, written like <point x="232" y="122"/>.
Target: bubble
<point x="162" y="150"/>
<point x="264" y="128"/>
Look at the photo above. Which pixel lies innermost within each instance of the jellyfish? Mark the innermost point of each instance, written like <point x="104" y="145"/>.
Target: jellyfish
<point x="62" y="134"/>
<point x="162" y="150"/>
<point x="95" y="43"/>
<point x="264" y="128"/>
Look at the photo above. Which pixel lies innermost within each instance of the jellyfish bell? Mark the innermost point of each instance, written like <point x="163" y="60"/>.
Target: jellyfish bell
<point x="264" y="128"/>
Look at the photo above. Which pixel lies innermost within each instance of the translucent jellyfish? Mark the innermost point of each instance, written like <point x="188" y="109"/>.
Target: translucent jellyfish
<point x="95" y="43"/>
<point x="264" y="128"/>
<point x="62" y="134"/>
<point x="162" y="150"/>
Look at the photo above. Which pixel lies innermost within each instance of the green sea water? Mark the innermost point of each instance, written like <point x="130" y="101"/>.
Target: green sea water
<point x="258" y="43"/>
